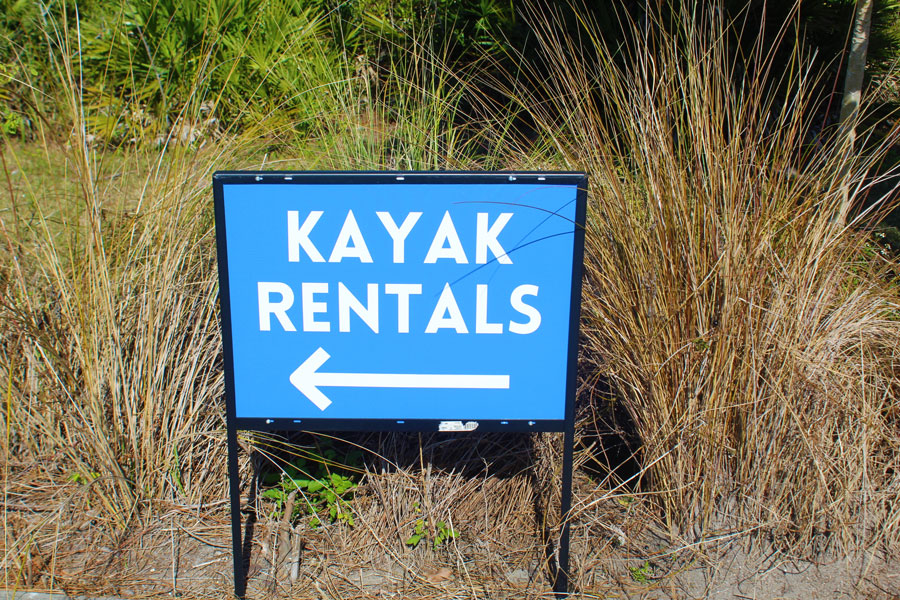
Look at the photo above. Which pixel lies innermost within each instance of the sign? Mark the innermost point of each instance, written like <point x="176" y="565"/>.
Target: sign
<point x="400" y="300"/>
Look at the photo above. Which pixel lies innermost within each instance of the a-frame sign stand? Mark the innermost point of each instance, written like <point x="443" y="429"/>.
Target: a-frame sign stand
<point x="241" y="566"/>
<point x="462" y="289"/>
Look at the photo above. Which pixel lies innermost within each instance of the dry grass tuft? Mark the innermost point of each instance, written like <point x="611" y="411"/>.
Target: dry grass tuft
<point x="731" y="298"/>
<point x="110" y="344"/>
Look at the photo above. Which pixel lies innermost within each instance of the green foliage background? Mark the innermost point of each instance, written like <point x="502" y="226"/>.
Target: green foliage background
<point x="140" y="63"/>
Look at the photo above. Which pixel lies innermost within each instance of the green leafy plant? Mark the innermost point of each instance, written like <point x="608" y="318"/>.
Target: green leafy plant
<point x="641" y="574"/>
<point x="218" y="61"/>
<point x="324" y="496"/>
<point x="322" y="492"/>
<point x="625" y="501"/>
<point x="418" y="534"/>
<point x="12" y="123"/>
<point x="440" y="534"/>
<point x="443" y="533"/>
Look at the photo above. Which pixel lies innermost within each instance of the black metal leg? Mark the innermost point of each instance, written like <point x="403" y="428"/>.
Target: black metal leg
<point x="561" y="585"/>
<point x="234" y="480"/>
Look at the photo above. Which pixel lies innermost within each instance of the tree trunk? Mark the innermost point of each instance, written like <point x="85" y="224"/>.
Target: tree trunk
<point x="853" y="82"/>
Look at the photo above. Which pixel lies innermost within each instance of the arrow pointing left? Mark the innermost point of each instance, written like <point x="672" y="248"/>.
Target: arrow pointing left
<point x="307" y="379"/>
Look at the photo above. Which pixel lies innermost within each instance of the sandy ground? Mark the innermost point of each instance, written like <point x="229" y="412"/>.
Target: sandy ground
<point x="185" y="551"/>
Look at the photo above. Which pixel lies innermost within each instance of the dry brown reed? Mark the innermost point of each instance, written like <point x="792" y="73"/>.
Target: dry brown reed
<point x="731" y="298"/>
<point x="110" y="336"/>
<point x="111" y="344"/>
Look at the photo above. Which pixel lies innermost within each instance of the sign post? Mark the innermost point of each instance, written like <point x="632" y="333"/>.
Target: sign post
<point x="402" y="301"/>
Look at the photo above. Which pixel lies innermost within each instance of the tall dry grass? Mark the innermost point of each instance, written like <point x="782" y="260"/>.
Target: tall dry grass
<point x="110" y="337"/>
<point x="731" y="297"/>
<point x="111" y="325"/>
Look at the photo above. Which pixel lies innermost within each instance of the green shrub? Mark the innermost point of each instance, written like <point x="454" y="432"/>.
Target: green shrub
<point x="239" y="59"/>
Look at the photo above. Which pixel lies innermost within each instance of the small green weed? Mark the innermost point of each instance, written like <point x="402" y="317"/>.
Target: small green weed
<point x="625" y="501"/>
<point x="641" y="574"/>
<point x="12" y="123"/>
<point x="80" y="478"/>
<point x="440" y="534"/>
<point x="330" y="495"/>
<point x="323" y="493"/>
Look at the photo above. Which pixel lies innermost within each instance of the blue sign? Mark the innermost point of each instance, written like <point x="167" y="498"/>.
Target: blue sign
<point x="392" y="297"/>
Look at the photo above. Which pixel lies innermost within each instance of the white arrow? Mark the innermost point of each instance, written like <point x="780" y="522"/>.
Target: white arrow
<point x="308" y="380"/>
